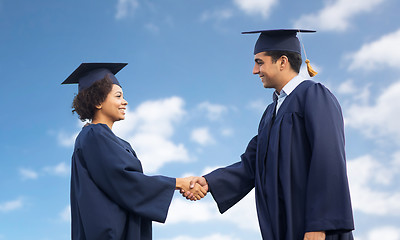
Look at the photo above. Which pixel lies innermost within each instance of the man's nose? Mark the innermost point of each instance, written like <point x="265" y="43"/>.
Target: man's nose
<point x="256" y="69"/>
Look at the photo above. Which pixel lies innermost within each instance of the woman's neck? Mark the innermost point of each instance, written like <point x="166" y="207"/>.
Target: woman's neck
<point x="103" y="121"/>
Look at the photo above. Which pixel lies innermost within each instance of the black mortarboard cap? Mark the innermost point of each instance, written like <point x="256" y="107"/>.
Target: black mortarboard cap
<point x="281" y="40"/>
<point x="278" y="39"/>
<point x="88" y="73"/>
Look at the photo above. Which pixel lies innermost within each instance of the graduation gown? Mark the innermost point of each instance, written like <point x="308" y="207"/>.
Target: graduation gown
<point x="297" y="165"/>
<point x="111" y="198"/>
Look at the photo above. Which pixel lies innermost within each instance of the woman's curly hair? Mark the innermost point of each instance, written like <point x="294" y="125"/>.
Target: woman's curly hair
<point x="85" y="101"/>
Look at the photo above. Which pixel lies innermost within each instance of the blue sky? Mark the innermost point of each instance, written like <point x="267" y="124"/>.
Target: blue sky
<point x="193" y="101"/>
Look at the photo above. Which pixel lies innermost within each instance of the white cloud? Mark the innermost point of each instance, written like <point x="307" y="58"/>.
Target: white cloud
<point x="215" y="236"/>
<point x="259" y="105"/>
<point x="202" y="136"/>
<point x="187" y="174"/>
<point x="151" y="27"/>
<point x="125" y="7"/>
<point x="27" y="174"/>
<point x="381" y="54"/>
<point x="61" y="169"/>
<point x="347" y="87"/>
<point x="227" y="132"/>
<point x="359" y="93"/>
<point x="11" y="205"/>
<point x="209" y="169"/>
<point x="155" y="151"/>
<point x="200" y="211"/>
<point x="213" y="111"/>
<point x="385" y="232"/>
<point x="256" y="7"/>
<point x="149" y="129"/>
<point x="159" y="116"/>
<point x="66" y="140"/>
<point x="65" y="214"/>
<point x="222" y="14"/>
<point x="243" y="215"/>
<point x="337" y="15"/>
<point x="365" y="172"/>
<point x="378" y="121"/>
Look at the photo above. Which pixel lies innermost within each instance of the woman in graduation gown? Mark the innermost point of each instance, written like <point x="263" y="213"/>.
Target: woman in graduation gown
<point x="111" y="197"/>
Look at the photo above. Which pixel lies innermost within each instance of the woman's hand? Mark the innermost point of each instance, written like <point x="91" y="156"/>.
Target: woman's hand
<point x="183" y="184"/>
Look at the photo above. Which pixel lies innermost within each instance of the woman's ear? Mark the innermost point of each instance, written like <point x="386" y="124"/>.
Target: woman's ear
<point x="98" y="107"/>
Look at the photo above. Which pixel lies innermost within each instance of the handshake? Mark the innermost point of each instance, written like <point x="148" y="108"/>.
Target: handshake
<point x="192" y="188"/>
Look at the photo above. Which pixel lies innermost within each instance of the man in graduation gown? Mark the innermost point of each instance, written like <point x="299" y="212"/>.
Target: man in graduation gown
<point x="296" y="163"/>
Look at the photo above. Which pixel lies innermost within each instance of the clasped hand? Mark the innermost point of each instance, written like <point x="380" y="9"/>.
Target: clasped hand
<point x="190" y="188"/>
<point x="195" y="182"/>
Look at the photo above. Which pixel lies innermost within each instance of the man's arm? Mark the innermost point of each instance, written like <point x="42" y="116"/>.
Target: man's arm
<point x="328" y="205"/>
<point x="230" y="184"/>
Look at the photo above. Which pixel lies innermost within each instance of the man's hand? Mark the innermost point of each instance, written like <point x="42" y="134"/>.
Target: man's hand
<point x="189" y="194"/>
<point x="314" y="236"/>
<point x="195" y="190"/>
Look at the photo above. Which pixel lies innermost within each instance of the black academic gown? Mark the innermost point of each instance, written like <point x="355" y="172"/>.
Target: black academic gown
<point x="111" y="198"/>
<point x="297" y="165"/>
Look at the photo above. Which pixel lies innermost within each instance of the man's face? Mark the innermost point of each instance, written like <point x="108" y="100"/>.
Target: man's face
<point x="267" y="71"/>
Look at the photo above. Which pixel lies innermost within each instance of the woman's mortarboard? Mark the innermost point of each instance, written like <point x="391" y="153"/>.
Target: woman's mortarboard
<point x="88" y="73"/>
<point x="281" y="40"/>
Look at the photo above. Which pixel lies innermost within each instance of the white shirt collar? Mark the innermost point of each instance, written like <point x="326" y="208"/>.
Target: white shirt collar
<point x="292" y="84"/>
<point x="289" y="87"/>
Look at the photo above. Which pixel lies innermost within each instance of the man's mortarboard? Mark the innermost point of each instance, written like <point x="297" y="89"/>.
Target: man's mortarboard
<point x="281" y="40"/>
<point x="88" y="73"/>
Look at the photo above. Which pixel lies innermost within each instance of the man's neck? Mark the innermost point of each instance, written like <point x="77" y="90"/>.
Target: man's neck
<point x="285" y="80"/>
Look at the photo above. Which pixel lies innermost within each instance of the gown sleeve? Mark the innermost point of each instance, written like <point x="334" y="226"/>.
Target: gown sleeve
<point x="230" y="184"/>
<point x="118" y="173"/>
<point x="328" y="205"/>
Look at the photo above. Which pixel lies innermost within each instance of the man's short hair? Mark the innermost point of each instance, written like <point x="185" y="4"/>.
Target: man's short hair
<point x="294" y="58"/>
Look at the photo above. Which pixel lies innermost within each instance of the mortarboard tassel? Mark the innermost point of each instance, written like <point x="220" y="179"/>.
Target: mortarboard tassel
<point x="310" y="70"/>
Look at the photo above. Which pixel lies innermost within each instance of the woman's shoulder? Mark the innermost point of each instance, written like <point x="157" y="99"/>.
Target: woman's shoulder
<point x="98" y="127"/>
<point x="91" y="131"/>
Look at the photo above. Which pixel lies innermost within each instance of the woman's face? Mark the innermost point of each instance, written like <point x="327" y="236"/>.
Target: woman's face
<point x="114" y="107"/>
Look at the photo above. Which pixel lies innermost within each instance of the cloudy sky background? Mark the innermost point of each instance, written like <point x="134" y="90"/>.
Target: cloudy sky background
<point x="193" y="101"/>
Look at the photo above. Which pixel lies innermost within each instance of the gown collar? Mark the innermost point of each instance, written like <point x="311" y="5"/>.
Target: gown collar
<point x="289" y="87"/>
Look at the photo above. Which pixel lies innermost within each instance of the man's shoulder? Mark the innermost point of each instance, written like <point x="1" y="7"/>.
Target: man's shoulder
<point x="309" y="87"/>
<point x="304" y="85"/>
